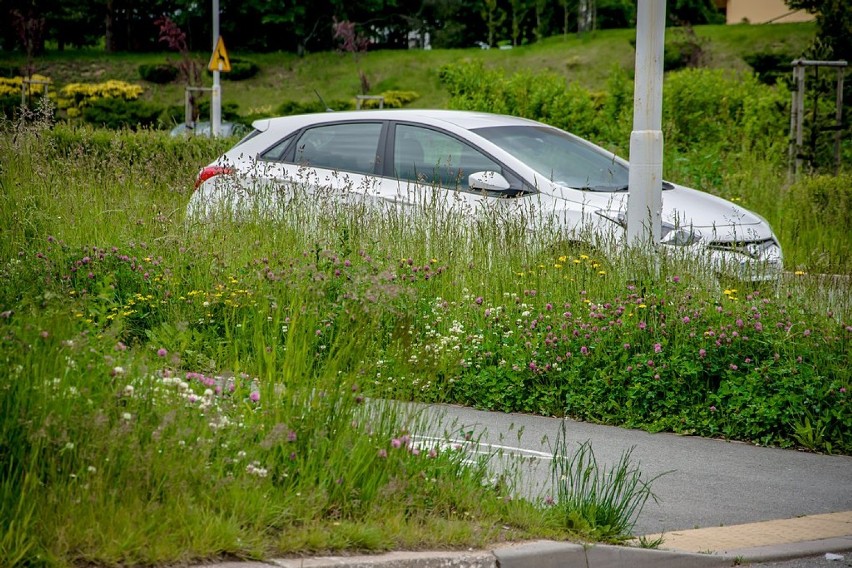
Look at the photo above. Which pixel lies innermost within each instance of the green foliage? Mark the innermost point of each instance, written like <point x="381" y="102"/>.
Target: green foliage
<point x="745" y="114"/>
<point x="770" y="66"/>
<point x="288" y="108"/>
<point x="241" y="69"/>
<point x="120" y="113"/>
<point x="683" y="49"/>
<point x="544" y="97"/>
<point x="229" y="109"/>
<point x="604" y="503"/>
<point x="160" y="73"/>
<point x="9" y="105"/>
<point x="834" y="18"/>
<point x="393" y="99"/>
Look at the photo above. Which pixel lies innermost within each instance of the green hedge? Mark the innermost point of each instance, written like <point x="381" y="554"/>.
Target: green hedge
<point x="160" y="73"/>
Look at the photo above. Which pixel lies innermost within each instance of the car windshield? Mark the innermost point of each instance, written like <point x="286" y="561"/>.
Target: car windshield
<point x="560" y="157"/>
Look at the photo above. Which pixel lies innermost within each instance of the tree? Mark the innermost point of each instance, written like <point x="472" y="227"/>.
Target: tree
<point x="493" y="16"/>
<point x="834" y="20"/>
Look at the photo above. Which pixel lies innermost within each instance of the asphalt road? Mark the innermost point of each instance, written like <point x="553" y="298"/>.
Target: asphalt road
<point x="709" y="482"/>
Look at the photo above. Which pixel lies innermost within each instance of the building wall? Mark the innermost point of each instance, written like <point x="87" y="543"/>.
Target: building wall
<point x="761" y="11"/>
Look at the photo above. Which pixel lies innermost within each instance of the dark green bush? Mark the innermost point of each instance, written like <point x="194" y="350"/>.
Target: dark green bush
<point x="241" y="69"/>
<point x="9" y="71"/>
<point x="9" y="105"/>
<point x="160" y="73"/>
<point x="288" y="108"/>
<point x="230" y="111"/>
<point x="118" y="113"/>
<point x="769" y="66"/>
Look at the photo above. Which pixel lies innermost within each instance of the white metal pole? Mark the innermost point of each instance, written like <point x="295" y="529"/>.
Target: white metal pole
<point x="216" y="96"/>
<point x="644" y="204"/>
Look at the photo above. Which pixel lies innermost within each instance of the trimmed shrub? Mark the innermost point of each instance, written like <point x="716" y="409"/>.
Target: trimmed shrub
<point x="75" y="96"/>
<point x="393" y="99"/>
<point x="160" y="73"/>
<point x="241" y="69"/>
<point x="288" y="108"/>
<point x="119" y="113"/>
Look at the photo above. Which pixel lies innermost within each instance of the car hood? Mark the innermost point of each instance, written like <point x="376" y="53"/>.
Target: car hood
<point x="717" y="219"/>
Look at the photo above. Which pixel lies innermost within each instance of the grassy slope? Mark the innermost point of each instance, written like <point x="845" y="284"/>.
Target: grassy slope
<point x="587" y="60"/>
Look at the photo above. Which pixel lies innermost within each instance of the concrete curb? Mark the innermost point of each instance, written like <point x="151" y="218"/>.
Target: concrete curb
<point x="552" y="554"/>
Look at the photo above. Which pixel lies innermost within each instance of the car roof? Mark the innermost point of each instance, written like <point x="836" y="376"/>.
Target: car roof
<point x="467" y="120"/>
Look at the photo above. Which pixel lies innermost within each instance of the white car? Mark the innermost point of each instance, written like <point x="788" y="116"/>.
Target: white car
<point x="473" y="160"/>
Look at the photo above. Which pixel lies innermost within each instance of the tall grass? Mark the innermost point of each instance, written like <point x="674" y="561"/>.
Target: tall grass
<point x="179" y="392"/>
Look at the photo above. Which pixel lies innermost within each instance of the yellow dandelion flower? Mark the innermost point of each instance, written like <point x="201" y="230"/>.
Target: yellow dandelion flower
<point x="601" y="272"/>
<point x="576" y="261"/>
<point x="799" y="273"/>
<point x="584" y="256"/>
<point x="563" y="258"/>
<point x="557" y="266"/>
<point x="642" y="306"/>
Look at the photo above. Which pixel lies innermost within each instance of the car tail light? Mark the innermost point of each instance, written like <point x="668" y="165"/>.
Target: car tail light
<point x="211" y="171"/>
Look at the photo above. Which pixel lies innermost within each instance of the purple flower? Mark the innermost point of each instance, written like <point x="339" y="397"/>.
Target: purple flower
<point x="254" y="396"/>
<point x="712" y="409"/>
<point x="584" y="350"/>
<point x="807" y="332"/>
<point x="478" y="300"/>
<point x="642" y="325"/>
<point x="291" y="436"/>
<point x="383" y="453"/>
<point x="657" y="348"/>
<point x="758" y="326"/>
<point x="685" y="319"/>
<point x="702" y="353"/>
<point x="734" y="367"/>
<point x="396" y="443"/>
<point x="161" y="352"/>
<point x="675" y="279"/>
<point x="627" y="346"/>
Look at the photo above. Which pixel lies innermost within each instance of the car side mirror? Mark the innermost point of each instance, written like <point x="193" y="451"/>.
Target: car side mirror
<point x="488" y="181"/>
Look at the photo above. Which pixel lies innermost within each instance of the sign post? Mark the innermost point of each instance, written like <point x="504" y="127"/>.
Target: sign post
<point x="215" y="62"/>
<point x="644" y="204"/>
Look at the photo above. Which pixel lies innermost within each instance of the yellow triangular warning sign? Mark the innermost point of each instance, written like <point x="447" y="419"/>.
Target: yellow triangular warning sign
<point x="219" y="60"/>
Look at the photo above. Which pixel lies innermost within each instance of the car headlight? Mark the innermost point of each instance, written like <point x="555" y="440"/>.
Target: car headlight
<point x="673" y="235"/>
<point x="679" y="236"/>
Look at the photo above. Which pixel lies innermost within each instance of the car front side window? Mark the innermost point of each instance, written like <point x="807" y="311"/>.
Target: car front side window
<point x="427" y="156"/>
<point x="349" y="147"/>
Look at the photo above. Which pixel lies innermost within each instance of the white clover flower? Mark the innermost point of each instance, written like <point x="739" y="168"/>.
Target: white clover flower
<point x="126" y="416"/>
<point x="128" y="390"/>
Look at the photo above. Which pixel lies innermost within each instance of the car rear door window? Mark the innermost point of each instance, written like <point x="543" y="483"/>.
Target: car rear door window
<point x="432" y="157"/>
<point x="349" y="147"/>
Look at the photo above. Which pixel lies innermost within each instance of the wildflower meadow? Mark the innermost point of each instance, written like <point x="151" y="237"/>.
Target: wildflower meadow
<point x="178" y="391"/>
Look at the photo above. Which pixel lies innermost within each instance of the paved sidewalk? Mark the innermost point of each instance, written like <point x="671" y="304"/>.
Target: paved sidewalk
<point x="767" y="534"/>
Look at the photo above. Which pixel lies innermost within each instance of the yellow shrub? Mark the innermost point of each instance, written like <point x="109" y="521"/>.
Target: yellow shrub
<point x="75" y="96"/>
<point x="12" y="85"/>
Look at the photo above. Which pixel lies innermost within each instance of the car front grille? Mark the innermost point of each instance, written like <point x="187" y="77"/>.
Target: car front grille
<point x="753" y="249"/>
